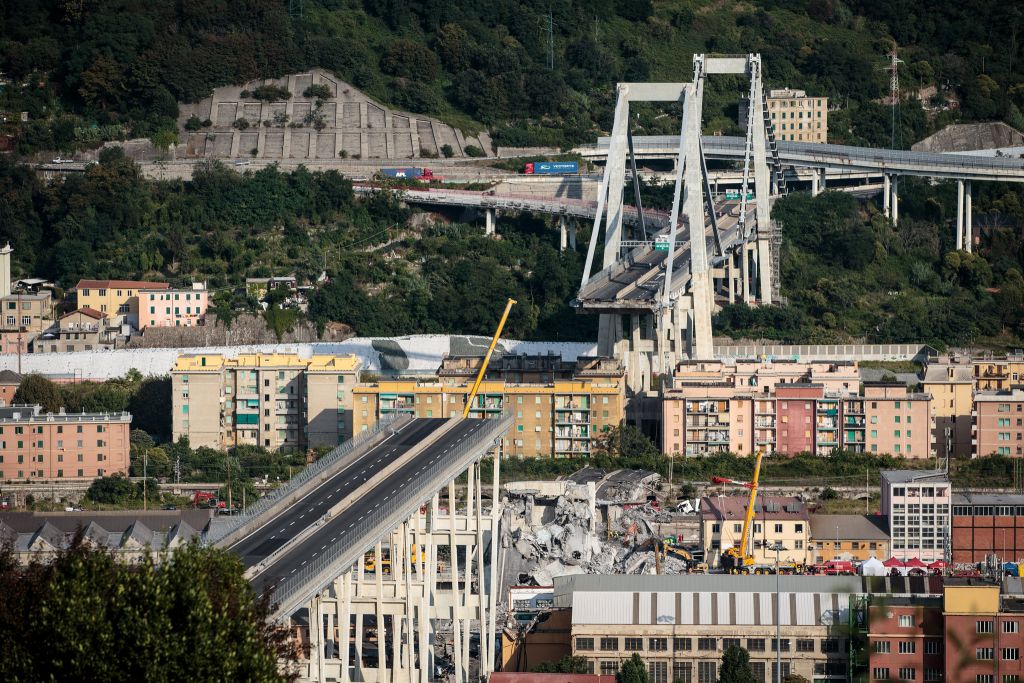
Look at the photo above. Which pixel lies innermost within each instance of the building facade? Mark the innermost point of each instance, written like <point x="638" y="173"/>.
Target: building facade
<point x="797" y="117"/>
<point x="998" y="374"/>
<point x="917" y="503"/>
<point x="998" y="423"/>
<point x="81" y="330"/>
<point x="270" y="400"/>
<point x="984" y="638"/>
<point x="38" y="446"/>
<point x="561" y="416"/>
<point x="170" y="307"/>
<point x="777" y="519"/>
<point x="952" y="389"/>
<point x="680" y="625"/>
<point x="853" y="538"/>
<point x="113" y="297"/>
<point x="906" y="640"/>
<point x="983" y="525"/>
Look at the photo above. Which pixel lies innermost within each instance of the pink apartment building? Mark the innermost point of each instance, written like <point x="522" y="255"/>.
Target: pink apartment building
<point x="46" y="446"/>
<point x="998" y="423"/>
<point x="172" y="307"/>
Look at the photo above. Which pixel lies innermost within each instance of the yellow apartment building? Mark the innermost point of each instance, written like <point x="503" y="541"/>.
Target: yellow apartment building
<point x="952" y="391"/>
<point x="797" y="117"/>
<point x="559" y="418"/>
<point x="272" y="400"/>
<point x="997" y="374"/>
<point x="113" y="297"/>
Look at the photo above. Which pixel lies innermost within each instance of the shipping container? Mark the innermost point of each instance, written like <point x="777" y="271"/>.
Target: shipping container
<point x="552" y="167"/>
<point x="409" y="172"/>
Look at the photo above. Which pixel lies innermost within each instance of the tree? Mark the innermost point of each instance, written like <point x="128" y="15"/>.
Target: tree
<point x="87" y="616"/>
<point x="150" y="407"/>
<point x="113" y="490"/>
<point x="633" y="671"/>
<point x="566" y="665"/>
<point x="736" y="666"/>
<point x="37" y="390"/>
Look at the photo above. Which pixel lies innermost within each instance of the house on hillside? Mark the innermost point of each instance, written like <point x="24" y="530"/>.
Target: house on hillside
<point x="81" y="330"/>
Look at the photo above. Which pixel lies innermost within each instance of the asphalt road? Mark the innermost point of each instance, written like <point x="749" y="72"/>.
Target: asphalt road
<point x="298" y="517"/>
<point x="335" y="530"/>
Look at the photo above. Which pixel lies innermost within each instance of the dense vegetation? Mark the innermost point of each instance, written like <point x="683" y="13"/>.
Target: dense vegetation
<point x="534" y="71"/>
<point x="87" y="617"/>
<point x="848" y="274"/>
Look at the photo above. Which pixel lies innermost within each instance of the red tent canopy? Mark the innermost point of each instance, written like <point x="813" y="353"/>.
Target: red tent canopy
<point x="893" y="562"/>
<point x="914" y="563"/>
<point x="937" y="564"/>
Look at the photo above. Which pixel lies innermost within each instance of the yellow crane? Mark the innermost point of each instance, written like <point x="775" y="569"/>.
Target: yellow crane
<point x="737" y="558"/>
<point x="487" y="358"/>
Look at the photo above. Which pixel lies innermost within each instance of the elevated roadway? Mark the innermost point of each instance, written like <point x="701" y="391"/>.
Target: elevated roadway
<point x="836" y="159"/>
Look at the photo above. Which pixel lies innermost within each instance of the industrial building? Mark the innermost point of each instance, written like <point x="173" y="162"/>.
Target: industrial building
<point x="917" y="503"/>
<point x="986" y="525"/>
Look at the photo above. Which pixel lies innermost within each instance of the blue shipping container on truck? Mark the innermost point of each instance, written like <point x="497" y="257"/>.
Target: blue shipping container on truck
<point x="408" y="172"/>
<point x="556" y="167"/>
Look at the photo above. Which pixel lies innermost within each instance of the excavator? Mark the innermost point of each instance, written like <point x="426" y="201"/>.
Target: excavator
<point x="737" y="559"/>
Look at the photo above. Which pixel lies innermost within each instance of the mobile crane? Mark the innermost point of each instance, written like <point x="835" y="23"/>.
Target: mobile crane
<point x="737" y="559"/>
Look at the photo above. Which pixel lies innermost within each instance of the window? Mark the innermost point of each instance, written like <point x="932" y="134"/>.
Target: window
<point x="609" y="668"/>
<point x="657" y="644"/>
<point x="880" y="673"/>
<point x="908" y="647"/>
<point x="778" y="528"/>
<point x="730" y="642"/>
<point x="883" y="647"/>
<point x="1010" y="627"/>
<point x="984" y="654"/>
<point x="707" y="672"/>
<point x="634" y="644"/>
<point x="1009" y="678"/>
<point x="758" y="669"/>
<point x="804" y="645"/>
<point x="658" y="671"/>
<point x="906" y="621"/>
<point x="933" y="674"/>
<point x="830" y="645"/>
<point x="1011" y="654"/>
<point x="682" y="644"/>
<point x="985" y="678"/>
<point x="682" y="672"/>
<point x="932" y="647"/>
<point x="784" y="645"/>
<point x="983" y="627"/>
<point x="907" y="673"/>
<point x="609" y="644"/>
<point x="707" y="644"/>
<point x="755" y="644"/>
<point x="584" y="643"/>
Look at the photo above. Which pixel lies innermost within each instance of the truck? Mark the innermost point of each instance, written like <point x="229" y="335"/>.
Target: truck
<point x="551" y="167"/>
<point x="207" y="500"/>
<point x="410" y="173"/>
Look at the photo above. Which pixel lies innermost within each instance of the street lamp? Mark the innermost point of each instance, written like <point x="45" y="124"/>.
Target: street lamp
<point x="777" y="547"/>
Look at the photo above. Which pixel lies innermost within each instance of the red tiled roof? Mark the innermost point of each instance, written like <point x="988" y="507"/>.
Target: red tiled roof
<point x="120" y="284"/>
<point x="91" y="312"/>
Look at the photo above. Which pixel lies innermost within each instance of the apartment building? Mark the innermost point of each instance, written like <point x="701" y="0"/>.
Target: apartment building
<point x="272" y="400"/>
<point x="81" y="330"/>
<point x="170" y="307"/>
<point x="905" y="639"/>
<point x="853" y="538"/>
<point x="708" y="409"/>
<point x="558" y="417"/>
<point x="28" y="312"/>
<point x="681" y="624"/>
<point x="983" y="525"/>
<point x="952" y="389"/>
<point x="998" y="423"/>
<point x="998" y="374"/>
<point x="984" y="638"/>
<point x="38" y="446"/>
<point x="797" y="117"/>
<point x="917" y="503"/>
<point x="113" y="297"/>
<point x="777" y="519"/>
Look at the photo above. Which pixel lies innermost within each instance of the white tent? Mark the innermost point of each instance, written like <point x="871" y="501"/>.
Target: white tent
<point x="872" y="567"/>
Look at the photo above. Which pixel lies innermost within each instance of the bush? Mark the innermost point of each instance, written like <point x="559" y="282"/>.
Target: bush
<point x="474" y="151"/>
<point x="241" y="124"/>
<point x="447" y="151"/>
<point x="114" y="490"/>
<point x="427" y="154"/>
<point x="271" y="93"/>
<point x="207" y="123"/>
<point x="318" y="91"/>
<point x="193" y="124"/>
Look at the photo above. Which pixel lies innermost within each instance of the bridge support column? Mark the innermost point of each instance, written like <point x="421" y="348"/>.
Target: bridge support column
<point x="316" y="639"/>
<point x="959" y="215"/>
<point x="563" y="234"/>
<point x="572" y="234"/>
<point x="886" y="194"/>
<point x="815" y="188"/>
<point x="490" y="222"/>
<point x="968" y="222"/>
<point x="895" y="200"/>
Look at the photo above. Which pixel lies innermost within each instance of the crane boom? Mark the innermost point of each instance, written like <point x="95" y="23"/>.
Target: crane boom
<point x="750" y="505"/>
<point x="487" y="358"/>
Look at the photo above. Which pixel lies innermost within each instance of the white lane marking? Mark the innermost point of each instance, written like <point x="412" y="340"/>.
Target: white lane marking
<point x="303" y="563"/>
<point x="292" y="524"/>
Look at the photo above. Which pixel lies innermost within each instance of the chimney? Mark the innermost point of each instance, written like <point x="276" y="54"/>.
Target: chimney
<point x="5" y="270"/>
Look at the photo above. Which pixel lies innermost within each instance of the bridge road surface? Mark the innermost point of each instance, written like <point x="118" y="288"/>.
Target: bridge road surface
<point x="334" y="531"/>
<point x="298" y="517"/>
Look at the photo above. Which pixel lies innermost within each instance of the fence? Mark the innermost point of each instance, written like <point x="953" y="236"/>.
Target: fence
<point x="271" y="499"/>
<point x="384" y="517"/>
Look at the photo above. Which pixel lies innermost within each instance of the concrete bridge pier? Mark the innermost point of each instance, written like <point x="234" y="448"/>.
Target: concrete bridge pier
<point x="895" y="201"/>
<point x="490" y="222"/>
<point x="886" y="195"/>
<point x="968" y="223"/>
<point x="566" y="233"/>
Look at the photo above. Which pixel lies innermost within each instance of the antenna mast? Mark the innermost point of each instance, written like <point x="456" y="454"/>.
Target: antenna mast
<point x="894" y="89"/>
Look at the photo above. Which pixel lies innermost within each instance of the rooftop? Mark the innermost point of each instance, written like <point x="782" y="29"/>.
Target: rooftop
<point x="701" y="583"/>
<point x="767" y="507"/>
<point x="86" y="311"/>
<point x="33" y="413"/>
<point x="214" y="362"/>
<point x="911" y="476"/>
<point x="1001" y="395"/>
<point x="859" y="527"/>
<point x="44" y="295"/>
<point x="987" y="499"/>
<point x="948" y="374"/>
<point x="119" y="284"/>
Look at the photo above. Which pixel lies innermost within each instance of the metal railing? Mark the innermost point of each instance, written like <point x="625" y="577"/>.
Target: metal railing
<point x="272" y="498"/>
<point x="381" y="521"/>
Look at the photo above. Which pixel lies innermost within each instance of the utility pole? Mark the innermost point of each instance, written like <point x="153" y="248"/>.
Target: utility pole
<point x="894" y="89"/>
<point x="551" y="40"/>
<point x="145" y="481"/>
